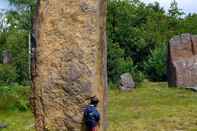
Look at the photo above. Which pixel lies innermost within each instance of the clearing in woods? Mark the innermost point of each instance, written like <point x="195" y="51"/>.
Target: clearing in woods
<point x="151" y="107"/>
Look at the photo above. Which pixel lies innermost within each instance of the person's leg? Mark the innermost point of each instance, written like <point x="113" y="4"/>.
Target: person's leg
<point x="93" y="129"/>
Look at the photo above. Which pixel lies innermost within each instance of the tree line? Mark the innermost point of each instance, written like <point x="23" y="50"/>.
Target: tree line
<point x="138" y="35"/>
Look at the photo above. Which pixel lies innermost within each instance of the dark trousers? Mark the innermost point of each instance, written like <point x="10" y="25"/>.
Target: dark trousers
<point x="92" y="129"/>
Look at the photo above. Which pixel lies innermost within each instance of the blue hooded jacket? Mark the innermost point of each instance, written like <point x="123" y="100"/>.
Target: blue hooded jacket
<point x="91" y="116"/>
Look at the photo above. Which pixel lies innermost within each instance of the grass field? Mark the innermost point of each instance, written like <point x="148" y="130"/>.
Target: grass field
<point x="151" y="107"/>
<point x="17" y="121"/>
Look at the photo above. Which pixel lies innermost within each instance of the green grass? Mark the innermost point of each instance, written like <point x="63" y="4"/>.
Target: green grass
<point x="14" y="97"/>
<point x="17" y="121"/>
<point x="14" y="108"/>
<point x="151" y="107"/>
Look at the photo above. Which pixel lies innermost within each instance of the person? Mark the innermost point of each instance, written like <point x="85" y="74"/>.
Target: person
<point x="91" y="115"/>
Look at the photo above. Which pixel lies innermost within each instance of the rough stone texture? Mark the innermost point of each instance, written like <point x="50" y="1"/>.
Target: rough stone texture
<point x="69" y="64"/>
<point x="126" y="82"/>
<point x="7" y="57"/>
<point x="182" y="61"/>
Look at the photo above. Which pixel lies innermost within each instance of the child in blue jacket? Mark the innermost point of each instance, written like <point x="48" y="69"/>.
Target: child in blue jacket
<point x="91" y="115"/>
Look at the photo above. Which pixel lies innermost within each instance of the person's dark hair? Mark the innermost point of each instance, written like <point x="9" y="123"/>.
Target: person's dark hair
<point x="94" y="100"/>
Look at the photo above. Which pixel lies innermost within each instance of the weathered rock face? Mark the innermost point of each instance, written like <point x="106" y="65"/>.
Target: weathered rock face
<point x="69" y="64"/>
<point x="182" y="61"/>
<point x="126" y="82"/>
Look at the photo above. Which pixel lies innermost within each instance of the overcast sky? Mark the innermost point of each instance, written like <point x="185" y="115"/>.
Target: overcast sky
<point x="188" y="6"/>
<point x="4" y="4"/>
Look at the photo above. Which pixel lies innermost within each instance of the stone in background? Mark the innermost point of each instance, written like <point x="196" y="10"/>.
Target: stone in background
<point x="6" y="57"/>
<point x="182" y="61"/>
<point x="126" y="82"/>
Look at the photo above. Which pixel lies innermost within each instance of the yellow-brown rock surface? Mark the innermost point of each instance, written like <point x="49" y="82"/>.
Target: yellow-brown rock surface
<point x="69" y="64"/>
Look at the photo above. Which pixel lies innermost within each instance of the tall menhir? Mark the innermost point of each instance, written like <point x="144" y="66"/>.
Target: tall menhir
<point x="69" y="64"/>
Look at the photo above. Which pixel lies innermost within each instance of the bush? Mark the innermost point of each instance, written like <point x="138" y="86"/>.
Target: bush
<point x="111" y="85"/>
<point x="117" y="63"/>
<point x="7" y="74"/>
<point x="22" y="105"/>
<point x="155" y="66"/>
<point x="138" y="76"/>
<point x="14" y="97"/>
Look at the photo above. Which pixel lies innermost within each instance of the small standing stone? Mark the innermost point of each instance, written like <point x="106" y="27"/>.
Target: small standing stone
<point x="7" y="57"/>
<point x="126" y="82"/>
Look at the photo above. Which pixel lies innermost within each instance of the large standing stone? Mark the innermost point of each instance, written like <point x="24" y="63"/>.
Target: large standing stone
<point x="126" y="82"/>
<point x="182" y="61"/>
<point x="70" y="62"/>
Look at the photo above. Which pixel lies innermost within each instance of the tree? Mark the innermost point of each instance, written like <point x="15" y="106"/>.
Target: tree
<point x="190" y="23"/>
<point x="156" y="67"/>
<point x="15" y="26"/>
<point x="174" y="11"/>
<point x="138" y="33"/>
<point x="21" y="18"/>
<point x="156" y="7"/>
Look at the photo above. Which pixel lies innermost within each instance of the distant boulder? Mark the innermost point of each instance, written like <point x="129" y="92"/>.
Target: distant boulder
<point x="126" y="82"/>
<point x="182" y="61"/>
<point x="7" y="57"/>
<point x="3" y="126"/>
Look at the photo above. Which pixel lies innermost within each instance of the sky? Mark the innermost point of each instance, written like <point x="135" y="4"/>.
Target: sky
<point x="188" y="6"/>
<point x="4" y="4"/>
